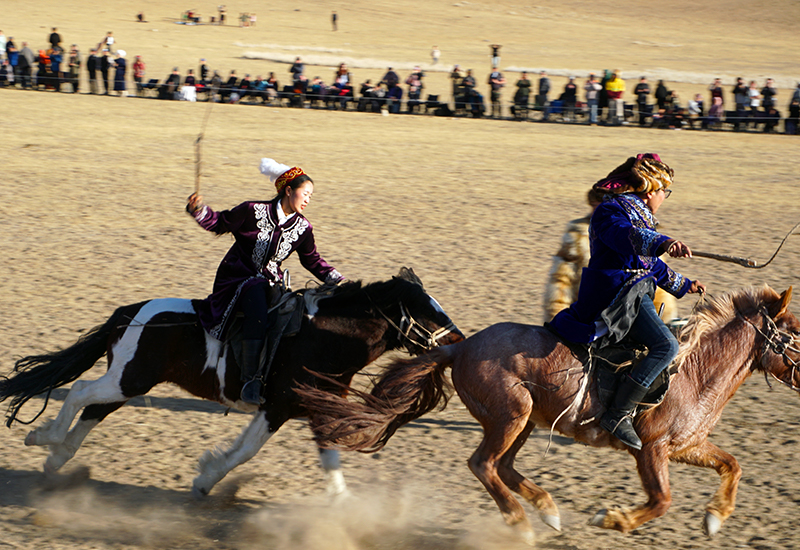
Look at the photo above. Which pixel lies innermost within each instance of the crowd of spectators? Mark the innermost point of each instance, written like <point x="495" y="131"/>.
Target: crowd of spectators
<point x="594" y="101"/>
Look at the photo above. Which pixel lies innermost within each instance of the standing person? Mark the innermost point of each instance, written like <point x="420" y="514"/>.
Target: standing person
<point x="138" y="75"/>
<point x="642" y="90"/>
<point x="661" y="95"/>
<point x="716" y="91"/>
<point x="54" y="38"/>
<point x="592" y="89"/>
<point x="755" y="102"/>
<point x="12" y="55"/>
<point x="615" y="88"/>
<point x="120" y="67"/>
<point x="105" y="65"/>
<point x="91" y="67"/>
<point x="56" y="58"/>
<point x="570" y="98"/>
<point x="495" y="55"/>
<point x="616" y="292"/>
<point x="455" y="81"/>
<point x="522" y="96"/>
<point x="249" y="279"/>
<point x="297" y="69"/>
<point x="742" y="98"/>
<point x="3" y="41"/>
<point x="496" y="83"/>
<point x="27" y="59"/>
<point x="203" y="71"/>
<point x="74" y="74"/>
<point x="108" y="41"/>
<point x="544" y="89"/>
<point x="335" y="21"/>
<point x="435" y="54"/>
<point x="221" y="10"/>
<point x="768" y="93"/>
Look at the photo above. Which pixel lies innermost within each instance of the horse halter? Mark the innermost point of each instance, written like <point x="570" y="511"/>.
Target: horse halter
<point x="778" y="342"/>
<point x="408" y="325"/>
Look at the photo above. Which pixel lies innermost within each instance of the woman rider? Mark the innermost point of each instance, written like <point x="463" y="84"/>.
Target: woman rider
<point x="615" y="297"/>
<point x="249" y="277"/>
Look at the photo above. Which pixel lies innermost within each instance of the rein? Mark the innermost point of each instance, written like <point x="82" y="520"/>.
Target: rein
<point x="778" y="342"/>
<point x="412" y="325"/>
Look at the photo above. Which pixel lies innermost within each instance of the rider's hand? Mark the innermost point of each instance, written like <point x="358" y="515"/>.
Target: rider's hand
<point x="696" y="287"/>
<point x="677" y="249"/>
<point x="194" y="203"/>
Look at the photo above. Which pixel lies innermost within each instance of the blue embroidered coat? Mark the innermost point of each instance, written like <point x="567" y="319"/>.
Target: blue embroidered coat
<point x="624" y="246"/>
<point x="261" y="245"/>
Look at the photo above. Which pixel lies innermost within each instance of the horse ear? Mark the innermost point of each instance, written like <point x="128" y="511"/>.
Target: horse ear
<point x="407" y="274"/>
<point x="782" y="305"/>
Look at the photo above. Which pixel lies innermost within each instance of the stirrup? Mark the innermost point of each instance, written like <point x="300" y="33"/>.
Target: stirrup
<point x="251" y="392"/>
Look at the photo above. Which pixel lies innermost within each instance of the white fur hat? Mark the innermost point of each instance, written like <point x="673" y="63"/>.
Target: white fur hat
<point x="122" y="53"/>
<point x="272" y="169"/>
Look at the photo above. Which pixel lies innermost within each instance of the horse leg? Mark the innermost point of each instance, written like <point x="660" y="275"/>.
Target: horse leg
<point x="721" y="506"/>
<point x="92" y="415"/>
<point x="538" y="497"/>
<point x="329" y="459"/>
<point x="500" y="433"/>
<point x="653" y="465"/>
<point x="101" y="391"/>
<point x="215" y="465"/>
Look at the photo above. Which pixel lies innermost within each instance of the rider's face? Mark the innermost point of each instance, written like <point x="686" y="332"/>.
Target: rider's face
<point x="296" y="200"/>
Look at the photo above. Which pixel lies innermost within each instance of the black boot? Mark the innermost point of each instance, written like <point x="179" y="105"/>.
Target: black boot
<point x="251" y="365"/>
<point x="617" y="419"/>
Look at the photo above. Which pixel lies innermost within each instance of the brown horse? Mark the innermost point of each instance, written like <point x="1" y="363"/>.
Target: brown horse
<point x="515" y="377"/>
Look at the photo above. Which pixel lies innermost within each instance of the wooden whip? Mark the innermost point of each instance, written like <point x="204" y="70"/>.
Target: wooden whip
<point x="745" y="262"/>
<point x="198" y="153"/>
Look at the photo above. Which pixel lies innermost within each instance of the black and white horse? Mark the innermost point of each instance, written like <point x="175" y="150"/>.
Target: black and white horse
<point x="161" y="341"/>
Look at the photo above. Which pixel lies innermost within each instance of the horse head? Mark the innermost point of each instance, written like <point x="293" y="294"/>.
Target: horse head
<point x="780" y="354"/>
<point x="421" y="322"/>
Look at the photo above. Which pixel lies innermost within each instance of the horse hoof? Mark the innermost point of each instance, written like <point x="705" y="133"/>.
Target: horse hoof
<point x="712" y="524"/>
<point x="599" y="519"/>
<point x="551" y="521"/>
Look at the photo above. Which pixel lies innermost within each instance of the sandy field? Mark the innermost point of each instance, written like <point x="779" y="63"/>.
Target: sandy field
<point x="93" y="191"/>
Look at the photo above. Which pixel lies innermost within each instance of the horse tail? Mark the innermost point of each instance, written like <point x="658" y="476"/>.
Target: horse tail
<point x="36" y="374"/>
<point x="407" y="389"/>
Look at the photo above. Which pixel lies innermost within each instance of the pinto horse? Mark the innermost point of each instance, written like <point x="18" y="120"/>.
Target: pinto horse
<point x="161" y="341"/>
<point x="515" y="377"/>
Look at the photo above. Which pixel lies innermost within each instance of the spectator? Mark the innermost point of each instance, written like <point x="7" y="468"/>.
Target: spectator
<point x="74" y="73"/>
<point x="602" y="103"/>
<point x="755" y="102"/>
<point x="391" y="80"/>
<point x="473" y="98"/>
<point x="696" y="111"/>
<point x="435" y="54"/>
<point x="415" y="87"/>
<point x="768" y="93"/>
<point x="3" y="40"/>
<point x="342" y="77"/>
<point x="140" y="17"/>
<point x="716" y="91"/>
<point x="216" y="86"/>
<point x="616" y="105"/>
<point x="455" y="80"/>
<point x="592" y="88"/>
<point x="56" y="58"/>
<point x="221" y="10"/>
<point x="715" y="113"/>
<point x="796" y="94"/>
<point x="771" y="119"/>
<point x="43" y="71"/>
<point x="120" y="68"/>
<point x="108" y="41"/>
<point x="297" y="69"/>
<point x="661" y="95"/>
<point x="570" y="98"/>
<point x="272" y="86"/>
<point x="675" y="112"/>
<point x="91" y="67"/>
<point x="245" y="87"/>
<point x="203" y="71"/>
<point x="55" y="38"/>
<point x="793" y="121"/>
<point x="170" y="86"/>
<point x="138" y="75"/>
<point x="642" y="90"/>
<point x="335" y="21"/>
<point x="544" y="89"/>
<point x="25" y="64"/>
<point x="6" y="74"/>
<point x="229" y="87"/>
<point x="12" y="55"/>
<point x="522" y="95"/>
<point x="742" y="98"/>
<point x="495" y="55"/>
<point x="105" y="64"/>
<point x="496" y="83"/>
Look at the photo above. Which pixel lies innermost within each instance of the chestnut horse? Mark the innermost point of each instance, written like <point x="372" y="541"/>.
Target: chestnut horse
<point x="515" y="377"/>
<point x="161" y="341"/>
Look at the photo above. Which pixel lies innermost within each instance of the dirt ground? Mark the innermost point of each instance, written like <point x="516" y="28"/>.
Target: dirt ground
<point x="93" y="191"/>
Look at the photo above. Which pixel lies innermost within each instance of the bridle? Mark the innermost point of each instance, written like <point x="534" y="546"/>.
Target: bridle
<point x="409" y="325"/>
<point x="778" y="342"/>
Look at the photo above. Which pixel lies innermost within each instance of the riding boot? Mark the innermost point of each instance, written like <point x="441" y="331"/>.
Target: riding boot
<point x="251" y="365"/>
<point x="618" y="417"/>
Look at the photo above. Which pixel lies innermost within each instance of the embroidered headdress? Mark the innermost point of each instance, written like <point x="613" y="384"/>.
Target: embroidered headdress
<point x="280" y="174"/>
<point x="640" y="174"/>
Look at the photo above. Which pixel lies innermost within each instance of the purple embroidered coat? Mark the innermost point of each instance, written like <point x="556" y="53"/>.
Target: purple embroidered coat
<point x="261" y="245"/>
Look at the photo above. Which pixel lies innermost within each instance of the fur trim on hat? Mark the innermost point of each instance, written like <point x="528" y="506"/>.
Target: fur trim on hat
<point x="640" y="174"/>
<point x="272" y="169"/>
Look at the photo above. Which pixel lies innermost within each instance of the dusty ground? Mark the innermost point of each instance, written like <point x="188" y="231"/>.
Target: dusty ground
<point x="93" y="193"/>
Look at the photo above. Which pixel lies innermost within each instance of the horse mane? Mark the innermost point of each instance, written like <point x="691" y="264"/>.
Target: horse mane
<point x="717" y="313"/>
<point x="351" y="298"/>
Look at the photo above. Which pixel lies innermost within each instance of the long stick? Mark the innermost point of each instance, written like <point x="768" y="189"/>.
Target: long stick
<point x="745" y="262"/>
<point x="198" y="154"/>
